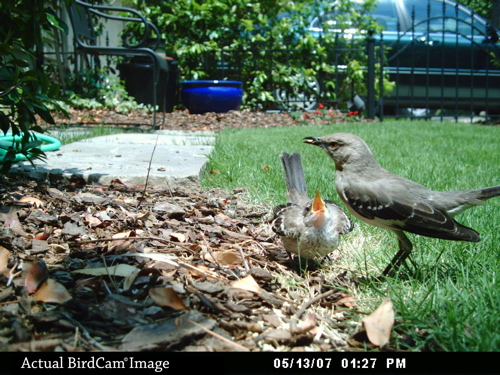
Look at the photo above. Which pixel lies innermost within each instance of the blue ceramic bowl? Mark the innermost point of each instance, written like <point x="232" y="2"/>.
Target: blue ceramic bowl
<point x="211" y="96"/>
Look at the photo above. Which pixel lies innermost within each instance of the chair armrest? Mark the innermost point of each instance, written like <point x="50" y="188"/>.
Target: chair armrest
<point x="99" y="10"/>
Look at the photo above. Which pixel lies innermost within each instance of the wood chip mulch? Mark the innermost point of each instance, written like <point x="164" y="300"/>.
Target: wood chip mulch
<point x="89" y="267"/>
<point x="123" y="267"/>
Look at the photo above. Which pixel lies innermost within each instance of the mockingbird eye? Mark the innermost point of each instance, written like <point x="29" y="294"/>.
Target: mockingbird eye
<point x="333" y="145"/>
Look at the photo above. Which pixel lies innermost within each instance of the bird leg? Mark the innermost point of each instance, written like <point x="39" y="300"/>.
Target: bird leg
<point x="405" y="248"/>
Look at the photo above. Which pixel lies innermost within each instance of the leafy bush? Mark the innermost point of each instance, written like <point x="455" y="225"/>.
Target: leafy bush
<point x="25" y="90"/>
<point x="265" y="44"/>
<point x="98" y="88"/>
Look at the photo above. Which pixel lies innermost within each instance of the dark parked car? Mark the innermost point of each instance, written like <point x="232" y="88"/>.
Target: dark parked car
<point x="440" y="54"/>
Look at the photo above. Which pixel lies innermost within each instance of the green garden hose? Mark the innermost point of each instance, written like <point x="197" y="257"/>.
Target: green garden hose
<point x="6" y="141"/>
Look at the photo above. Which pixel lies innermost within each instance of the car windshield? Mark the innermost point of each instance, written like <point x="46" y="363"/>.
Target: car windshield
<point x="427" y="16"/>
<point x="384" y="13"/>
<point x="438" y="19"/>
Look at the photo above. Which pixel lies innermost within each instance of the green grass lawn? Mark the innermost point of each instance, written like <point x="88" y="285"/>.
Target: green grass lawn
<point x="452" y="302"/>
<point x="67" y="134"/>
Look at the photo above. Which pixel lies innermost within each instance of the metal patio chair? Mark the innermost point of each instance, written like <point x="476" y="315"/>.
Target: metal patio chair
<point x="87" y="45"/>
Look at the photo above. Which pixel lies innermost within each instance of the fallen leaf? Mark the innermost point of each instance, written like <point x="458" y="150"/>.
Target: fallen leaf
<point x="42" y="236"/>
<point x="33" y="201"/>
<point x="178" y="236"/>
<point x="348" y="301"/>
<point x="379" y="323"/>
<point x="309" y="322"/>
<point x="166" y="334"/>
<point x="247" y="283"/>
<point x="36" y="275"/>
<point x="92" y="221"/>
<point x="171" y="210"/>
<point x="12" y="222"/>
<point x="4" y="259"/>
<point x="167" y="258"/>
<point x="38" y="246"/>
<point x="52" y="292"/>
<point x="278" y="334"/>
<point x="59" y="248"/>
<point x="129" y="280"/>
<point x="203" y="269"/>
<point x="225" y="258"/>
<point x="121" y="245"/>
<point x="166" y="297"/>
<point x="122" y="270"/>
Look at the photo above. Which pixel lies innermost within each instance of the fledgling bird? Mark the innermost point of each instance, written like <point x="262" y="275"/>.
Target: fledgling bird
<point x="309" y="228"/>
<point x="383" y="199"/>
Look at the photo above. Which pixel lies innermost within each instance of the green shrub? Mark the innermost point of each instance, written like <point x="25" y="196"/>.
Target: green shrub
<point x="25" y="90"/>
<point x="248" y="41"/>
<point x="98" y="88"/>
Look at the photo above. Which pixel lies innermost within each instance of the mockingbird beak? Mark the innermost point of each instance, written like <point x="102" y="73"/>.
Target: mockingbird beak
<point x="313" y="141"/>
<point x="318" y="205"/>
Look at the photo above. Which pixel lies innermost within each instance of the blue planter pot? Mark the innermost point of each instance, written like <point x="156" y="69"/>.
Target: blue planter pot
<point x="211" y="96"/>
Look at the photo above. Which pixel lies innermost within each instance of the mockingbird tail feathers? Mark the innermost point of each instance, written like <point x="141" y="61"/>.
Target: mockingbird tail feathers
<point x="294" y="177"/>
<point x="488" y="193"/>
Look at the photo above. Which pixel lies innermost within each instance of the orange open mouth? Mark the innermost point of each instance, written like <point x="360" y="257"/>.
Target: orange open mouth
<point x="318" y="205"/>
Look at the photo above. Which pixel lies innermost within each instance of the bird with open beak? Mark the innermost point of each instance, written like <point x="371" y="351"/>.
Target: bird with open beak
<point x="308" y="228"/>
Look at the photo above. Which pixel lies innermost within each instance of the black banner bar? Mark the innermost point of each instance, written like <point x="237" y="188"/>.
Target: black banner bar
<point x="249" y="363"/>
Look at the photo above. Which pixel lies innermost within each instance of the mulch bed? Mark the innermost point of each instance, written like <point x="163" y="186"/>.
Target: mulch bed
<point x="183" y="120"/>
<point x="86" y="267"/>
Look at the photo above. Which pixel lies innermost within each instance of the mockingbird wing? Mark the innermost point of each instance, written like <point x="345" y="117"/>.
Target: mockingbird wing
<point x="288" y="220"/>
<point x="404" y="205"/>
<point x="343" y="224"/>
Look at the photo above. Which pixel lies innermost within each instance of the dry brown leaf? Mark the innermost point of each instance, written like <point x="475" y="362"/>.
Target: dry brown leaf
<point x="166" y="297"/>
<point x="92" y="221"/>
<point x="52" y="292"/>
<point x="4" y="259"/>
<point x="36" y="275"/>
<point x="33" y="201"/>
<point x="167" y="258"/>
<point x="59" y="248"/>
<point x="247" y="283"/>
<point x="225" y="258"/>
<point x="43" y="236"/>
<point x="379" y="323"/>
<point x="202" y="269"/>
<point x="121" y="245"/>
<point x="122" y="270"/>
<point x="348" y="301"/>
<point x="178" y="236"/>
<point x="309" y="322"/>
<point x="129" y="280"/>
<point x="12" y="222"/>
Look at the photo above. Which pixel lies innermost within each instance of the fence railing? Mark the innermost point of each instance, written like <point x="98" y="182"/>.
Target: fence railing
<point x="441" y="67"/>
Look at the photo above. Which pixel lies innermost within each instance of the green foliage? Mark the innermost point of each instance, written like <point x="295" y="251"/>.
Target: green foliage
<point x="25" y="90"/>
<point x="98" y="88"/>
<point x="248" y="41"/>
<point x="482" y="7"/>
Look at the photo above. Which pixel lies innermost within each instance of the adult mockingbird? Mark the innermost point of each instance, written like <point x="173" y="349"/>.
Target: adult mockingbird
<point x="388" y="201"/>
<point x="309" y="228"/>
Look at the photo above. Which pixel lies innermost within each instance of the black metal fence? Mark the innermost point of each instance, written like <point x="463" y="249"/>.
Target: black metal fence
<point x="441" y="66"/>
<point x="444" y="66"/>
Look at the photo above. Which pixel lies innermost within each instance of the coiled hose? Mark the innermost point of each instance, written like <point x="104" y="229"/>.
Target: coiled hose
<point x="50" y="144"/>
